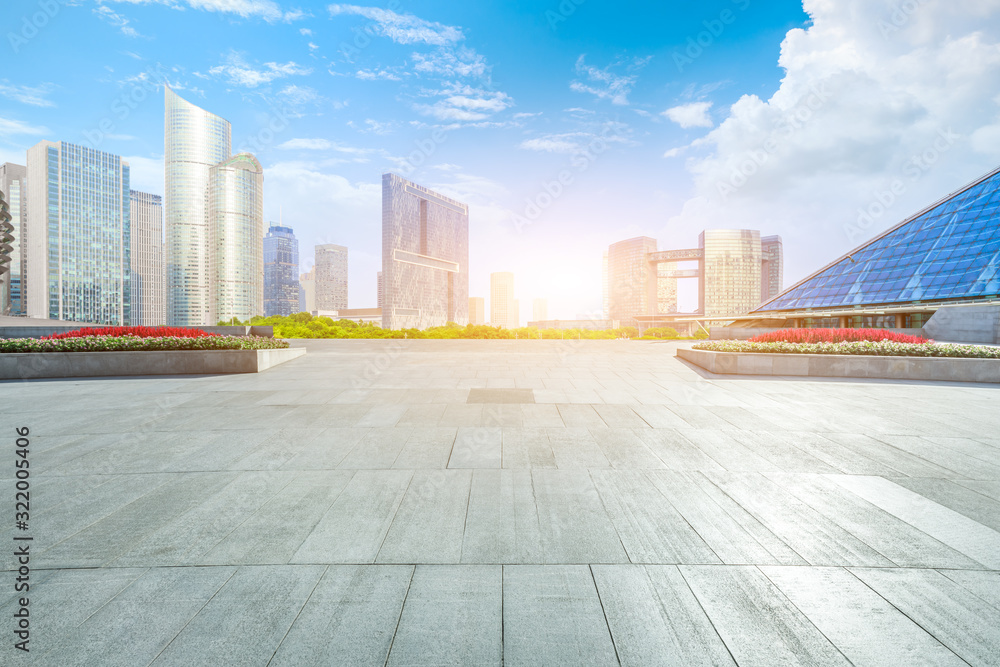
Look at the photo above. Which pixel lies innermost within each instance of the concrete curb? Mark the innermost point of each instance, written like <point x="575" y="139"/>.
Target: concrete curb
<point x="940" y="369"/>
<point x="25" y="366"/>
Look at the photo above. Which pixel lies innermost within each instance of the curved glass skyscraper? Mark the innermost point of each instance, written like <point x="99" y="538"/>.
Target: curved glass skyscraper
<point x="194" y="142"/>
<point x="236" y="230"/>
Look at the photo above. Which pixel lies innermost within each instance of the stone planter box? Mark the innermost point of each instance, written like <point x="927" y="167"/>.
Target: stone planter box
<point x="112" y="364"/>
<point x="943" y="369"/>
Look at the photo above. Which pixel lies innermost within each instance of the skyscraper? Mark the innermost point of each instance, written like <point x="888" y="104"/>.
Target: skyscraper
<point x="6" y="237"/>
<point x="771" y="267"/>
<point x="539" y="310"/>
<point x="78" y="234"/>
<point x="281" y="271"/>
<point x="149" y="307"/>
<point x="425" y="256"/>
<point x="331" y="277"/>
<point x="12" y="184"/>
<point x="730" y="283"/>
<point x="194" y="142"/>
<point x="502" y="308"/>
<point x="307" y="291"/>
<point x="477" y="310"/>
<point x="236" y="231"/>
<point x="631" y="279"/>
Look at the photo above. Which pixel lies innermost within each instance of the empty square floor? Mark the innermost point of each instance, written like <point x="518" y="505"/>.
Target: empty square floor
<point x="504" y="502"/>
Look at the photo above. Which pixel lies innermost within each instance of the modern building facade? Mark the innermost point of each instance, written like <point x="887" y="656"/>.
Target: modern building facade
<point x="503" y="311"/>
<point x="605" y="294"/>
<point x="631" y="279"/>
<point x="737" y="270"/>
<point x="236" y="230"/>
<point x="540" y="310"/>
<point x="381" y="289"/>
<point x="307" y="291"/>
<point x="931" y="267"/>
<point x="12" y="185"/>
<point x="425" y="256"/>
<point x="281" y="271"/>
<point x="6" y="238"/>
<point x="331" y="277"/>
<point x="149" y="306"/>
<point x="477" y="310"/>
<point x="78" y="234"/>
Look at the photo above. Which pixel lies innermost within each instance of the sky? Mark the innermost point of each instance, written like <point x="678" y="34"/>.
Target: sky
<point x="566" y="125"/>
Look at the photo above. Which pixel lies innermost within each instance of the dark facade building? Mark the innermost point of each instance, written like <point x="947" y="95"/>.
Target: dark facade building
<point x="281" y="271"/>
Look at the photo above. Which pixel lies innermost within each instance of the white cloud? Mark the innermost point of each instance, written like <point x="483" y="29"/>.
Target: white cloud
<point x="465" y="104"/>
<point x="604" y="83"/>
<point x="117" y="20"/>
<point x="305" y="31"/>
<point x="32" y="95"/>
<point x="10" y="127"/>
<point x="555" y="143"/>
<point x="266" y="9"/>
<point x="372" y="75"/>
<point x="373" y="126"/>
<point x="871" y="99"/>
<point x="299" y="95"/>
<point x="524" y="114"/>
<point x="239" y="73"/>
<point x="451" y="62"/>
<point x="694" y="114"/>
<point x="402" y="28"/>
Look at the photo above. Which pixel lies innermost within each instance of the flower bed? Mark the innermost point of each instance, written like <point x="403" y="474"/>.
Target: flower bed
<point x="135" y="343"/>
<point x="883" y="348"/>
<point x="835" y="336"/>
<point x="141" y="332"/>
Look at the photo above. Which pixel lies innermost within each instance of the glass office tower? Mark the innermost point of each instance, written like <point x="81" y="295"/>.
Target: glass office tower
<point x="425" y="256"/>
<point x="236" y="234"/>
<point x="281" y="271"/>
<point x="12" y="184"/>
<point x="194" y="142"/>
<point x="731" y="274"/>
<point x="78" y="234"/>
<point x="148" y="299"/>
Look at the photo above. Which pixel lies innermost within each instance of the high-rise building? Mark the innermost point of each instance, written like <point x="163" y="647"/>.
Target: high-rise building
<point x="477" y="310"/>
<point x="12" y="184"/>
<point x="236" y="230"/>
<point x="281" y="271"/>
<point x="307" y="291"/>
<point x="78" y="234"/>
<point x="331" y="277"/>
<point x="771" y="267"/>
<point x="632" y="280"/>
<point x="730" y="283"/>
<point x="381" y="290"/>
<point x="540" y="310"/>
<point x="6" y="237"/>
<point x="425" y="256"/>
<point x="503" y="312"/>
<point x="194" y="142"/>
<point x="149" y="306"/>
<point x="736" y="268"/>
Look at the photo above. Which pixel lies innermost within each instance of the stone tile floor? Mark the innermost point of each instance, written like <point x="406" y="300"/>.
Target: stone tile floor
<point x="355" y="507"/>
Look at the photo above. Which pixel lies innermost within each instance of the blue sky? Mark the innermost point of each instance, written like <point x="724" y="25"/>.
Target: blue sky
<point x="662" y="118"/>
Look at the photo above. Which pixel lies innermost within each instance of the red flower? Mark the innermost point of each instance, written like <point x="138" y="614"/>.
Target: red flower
<point x="141" y="332"/>
<point x="834" y="336"/>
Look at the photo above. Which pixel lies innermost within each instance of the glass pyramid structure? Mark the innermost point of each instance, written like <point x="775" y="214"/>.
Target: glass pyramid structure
<point x="947" y="252"/>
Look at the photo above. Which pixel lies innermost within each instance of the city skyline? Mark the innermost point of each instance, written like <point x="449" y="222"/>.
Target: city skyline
<point x="735" y="131"/>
